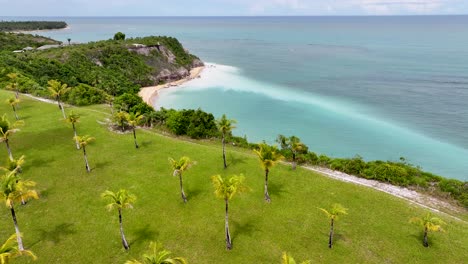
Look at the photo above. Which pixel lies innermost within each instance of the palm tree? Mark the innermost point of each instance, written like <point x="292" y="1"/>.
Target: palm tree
<point x="73" y="118"/>
<point x="6" y="130"/>
<point x="83" y="141"/>
<point x="9" y="251"/>
<point x="225" y="126"/>
<point x="226" y="189"/>
<point x="429" y="223"/>
<point x="296" y="147"/>
<point x="121" y="119"/>
<point x="14" y="165"/>
<point x="57" y="90"/>
<point x="69" y="41"/>
<point x="337" y="209"/>
<point x="13" y="84"/>
<point x="158" y="255"/>
<point x="269" y="156"/>
<point x="120" y="200"/>
<point x="13" y="189"/>
<point x="288" y="259"/>
<point x="13" y="102"/>
<point x="179" y="166"/>
<point x="134" y="119"/>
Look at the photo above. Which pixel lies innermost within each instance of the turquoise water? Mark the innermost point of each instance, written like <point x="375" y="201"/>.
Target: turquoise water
<point x="381" y="87"/>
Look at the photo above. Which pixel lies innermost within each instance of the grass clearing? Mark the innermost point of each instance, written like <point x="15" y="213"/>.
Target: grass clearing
<point x="69" y="223"/>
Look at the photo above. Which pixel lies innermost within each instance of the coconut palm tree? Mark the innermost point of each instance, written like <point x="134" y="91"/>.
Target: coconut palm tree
<point x="13" y="102"/>
<point x="269" y="156"/>
<point x="57" y="90"/>
<point x="226" y="188"/>
<point x="120" y="200"/>
<point x="14" y="165"/>
<point x="133" y="120"/>
<point x="179" y="166"/>
<point x="6" y="130"/>
<point x="83" y="141"/>
<point x="73" y="118"/>
<point x="336" y="210"/>
<point x="296" y="147"/>
<point x="288" y="259"/>
<point x="13" y="84"/>
<point x="225" y="126"/>
<point x="9" y="250"/>
<point x="429" y="223"/>
<point x="121" y="119"/>
<point x="13" y="189"/>
<point x="158" y="255"/>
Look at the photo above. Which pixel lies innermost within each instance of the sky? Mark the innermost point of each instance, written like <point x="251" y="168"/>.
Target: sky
<point x="230" y="7"/>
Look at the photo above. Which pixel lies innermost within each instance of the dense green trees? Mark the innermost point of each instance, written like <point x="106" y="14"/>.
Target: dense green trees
<point x="31" y="25"/>
<point x="226" y="189"/>
<point x="119" y="36"/>
<point x="332" y="214"/>
<point x="429" y="223"/>
<point x="225" y="126"/>
<point x="120" y="200"/>
<point x="268" y="156"/>
<point x="193" y="123"/>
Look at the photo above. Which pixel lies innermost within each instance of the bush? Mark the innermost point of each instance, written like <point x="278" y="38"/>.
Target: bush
<point x="85" y="95"/>
<point x="193" y="123"/>
<point x="119" y="36"/>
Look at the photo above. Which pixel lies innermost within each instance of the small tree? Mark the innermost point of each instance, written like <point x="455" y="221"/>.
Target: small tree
<point x="13" y="102"/>
<point x="226" y="188"/>
<point x="57" y="90"/>
<point x="121" y="119"/>
<point x="14" y="165"/>
<point x="6" y="130"/>
<point x="336" y="210"/>
<point x="73" y="118"/>
<point x="294" y="145"/>
<point x="119" y="36"/>
<point x="430" y="223"/>
<point x="158" y="255"/>
<point x="120" y="200"/>
<point x="288" y="259"/>
<point x="179" y="166"/>
<point x="225" y="126"/>
<point x="83" y="142"/>
<point x="69" y="41"/>
<point x="13" y="84"/>
<point x="13" y="189"/>
<point x="134" y="119"/>
<point x="268" y="156"/>
<point x="9" y="251"/>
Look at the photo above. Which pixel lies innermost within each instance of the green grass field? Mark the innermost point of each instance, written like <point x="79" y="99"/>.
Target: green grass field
<point x="69" y="223"/>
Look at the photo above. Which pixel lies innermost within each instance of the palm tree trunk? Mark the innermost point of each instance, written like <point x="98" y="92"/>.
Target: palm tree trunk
<point x="224" y="151"/>
<point x="182" y="189"/>
<point x="294" y="161"/>
<point x="267" y="196"/>
<point x="63" y="112"/>
<point x="124" y="240"/>
<point x="86" y="160"/>
<point x="76" y="139"/>
<point x="9" y="150"/>
<point x="111" y="107"/>
<point x="425" y="243"/>
<point x="330" y="239"/>
<point x="226" y="227"/>
<point x="18" y="234"/>
<point x="16" y="93"/>
<point x="134" y="137"/>
<point x="14" y="110"/>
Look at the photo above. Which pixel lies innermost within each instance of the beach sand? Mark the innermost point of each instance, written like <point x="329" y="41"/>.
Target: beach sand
<point x="150" y="93"/>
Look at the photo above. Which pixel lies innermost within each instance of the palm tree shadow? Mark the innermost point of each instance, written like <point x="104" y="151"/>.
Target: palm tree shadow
<point x="38" y="162"/>
<point x="192" y="194"/>
<point x="245" y="228"/>
<point x="144" y="234"/>
<point x="56" y="234"/>
<point x="276" y="189"/>
<point x="235" y="159"/>
<point x="102" y="164"/>
<point x="145" y="143"/>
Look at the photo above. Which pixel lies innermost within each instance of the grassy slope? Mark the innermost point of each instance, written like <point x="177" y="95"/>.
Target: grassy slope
<point x="69" y="224"/>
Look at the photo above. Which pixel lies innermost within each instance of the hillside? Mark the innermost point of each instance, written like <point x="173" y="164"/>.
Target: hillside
<point x="18" y="41"/>
<point x="69" y="223"/>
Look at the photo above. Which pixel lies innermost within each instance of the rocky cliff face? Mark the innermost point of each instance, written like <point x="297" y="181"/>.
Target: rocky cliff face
<point x="164" y="61"/>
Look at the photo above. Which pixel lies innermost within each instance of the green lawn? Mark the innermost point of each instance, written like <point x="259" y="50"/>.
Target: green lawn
<point x="69" y="223"/>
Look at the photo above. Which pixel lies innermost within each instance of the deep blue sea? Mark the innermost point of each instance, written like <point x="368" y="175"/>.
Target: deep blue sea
<point x="380" y="87"/>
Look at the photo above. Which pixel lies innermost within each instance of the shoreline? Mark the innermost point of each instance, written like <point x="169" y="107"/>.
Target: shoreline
<point x="149" y="94"/>
<point x="39" y="30"/>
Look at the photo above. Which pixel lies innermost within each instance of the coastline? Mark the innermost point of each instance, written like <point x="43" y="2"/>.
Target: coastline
<point x="39" y="30"/>
<point x="150" y="93"/>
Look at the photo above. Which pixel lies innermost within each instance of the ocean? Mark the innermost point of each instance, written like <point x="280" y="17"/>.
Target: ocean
<point x="378" y="87"/>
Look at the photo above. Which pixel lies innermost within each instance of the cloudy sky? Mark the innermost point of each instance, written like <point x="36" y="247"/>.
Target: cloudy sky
<point x="228" y="7"/>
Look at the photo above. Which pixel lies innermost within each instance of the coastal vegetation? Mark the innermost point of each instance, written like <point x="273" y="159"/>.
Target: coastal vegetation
<point x="12" y="41"/>
<point x="60" y="222"/>
<point x="31" y="25"/>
